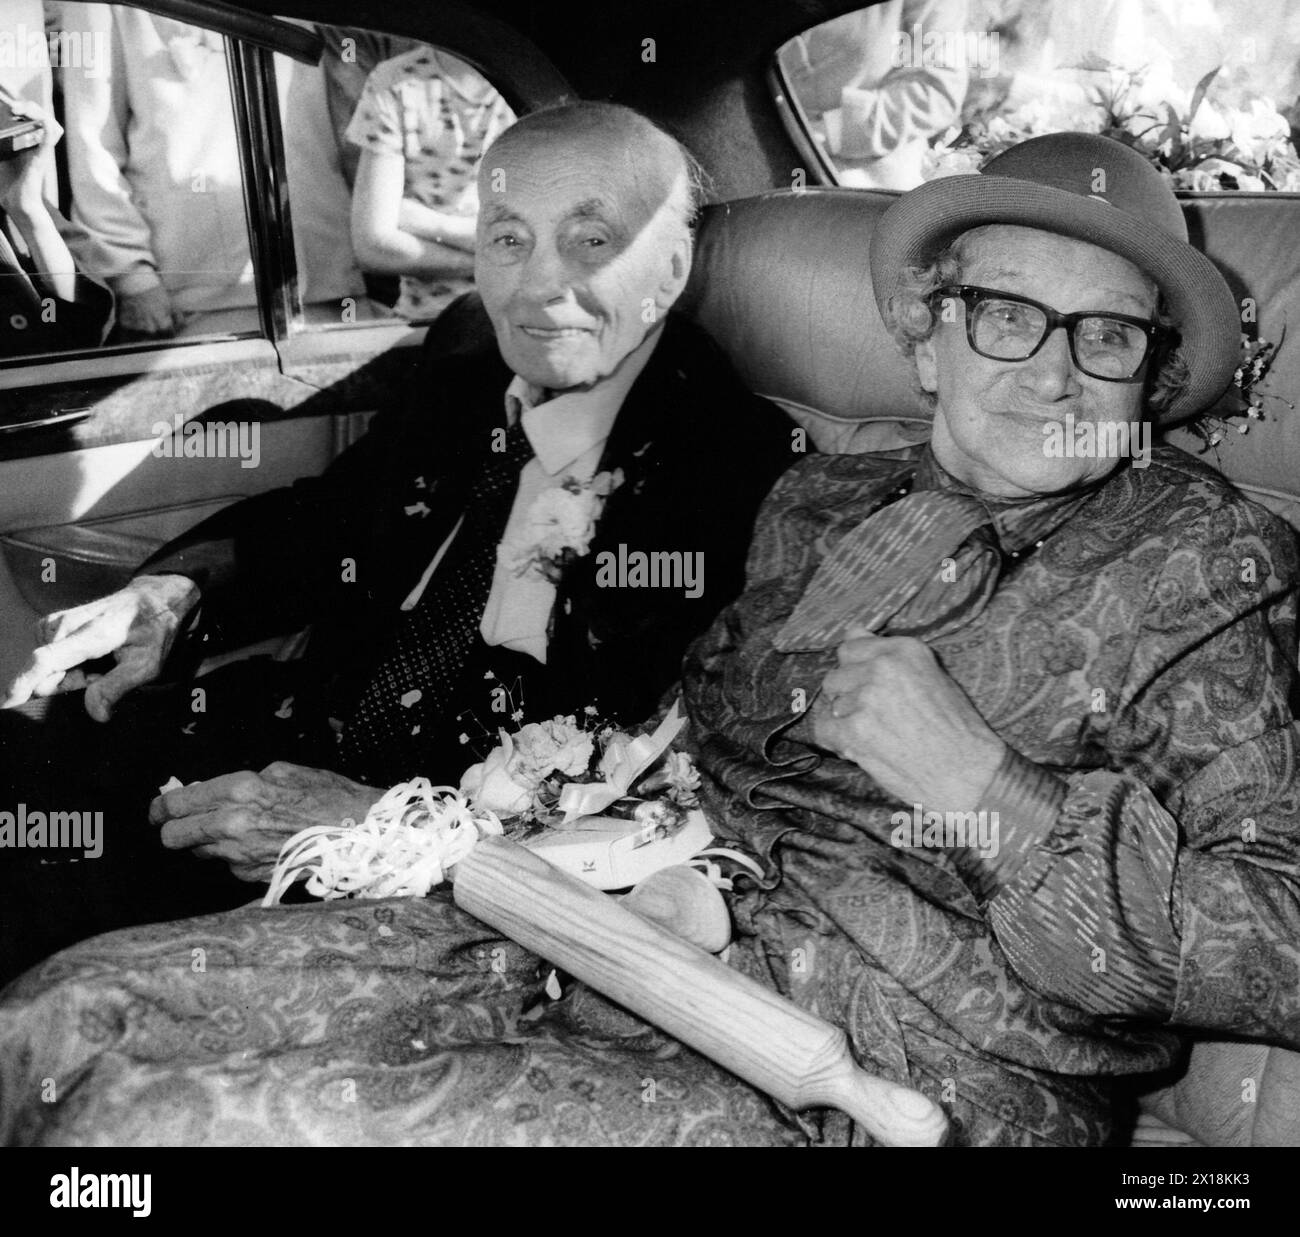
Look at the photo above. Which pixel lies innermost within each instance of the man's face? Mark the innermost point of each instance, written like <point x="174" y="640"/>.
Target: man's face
<point x="994" y="420"/>
<point x="581" y="251"/>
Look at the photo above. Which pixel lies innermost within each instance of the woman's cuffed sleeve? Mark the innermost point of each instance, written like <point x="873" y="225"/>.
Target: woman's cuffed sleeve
<point x="1083" y="892"/>
<point x="1169" y="886"/>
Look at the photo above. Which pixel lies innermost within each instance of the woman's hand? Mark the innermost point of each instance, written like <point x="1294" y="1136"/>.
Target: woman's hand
<point x="890" y="708"/>
<point x="22" y="198"/>
<point x="393" y="235"/>
<point x="245" y="818"/>
<point x="20" y="184"/>
<point x="22" y="177"/>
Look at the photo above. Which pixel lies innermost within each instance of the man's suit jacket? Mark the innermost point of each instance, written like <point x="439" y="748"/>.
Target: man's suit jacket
<point x="340" y="552"/>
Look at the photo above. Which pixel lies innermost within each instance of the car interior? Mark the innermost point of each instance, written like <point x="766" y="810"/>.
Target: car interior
<point x="780" y="280"/>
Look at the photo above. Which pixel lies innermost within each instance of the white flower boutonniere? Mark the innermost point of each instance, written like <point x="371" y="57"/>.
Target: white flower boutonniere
<point x="561" y="524"/>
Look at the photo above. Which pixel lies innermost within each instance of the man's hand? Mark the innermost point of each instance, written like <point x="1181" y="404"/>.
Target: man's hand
<point x="146" y="313"/>
<point x="137" y="625"/>
<point x="21" y="675"/>
<point x="890" y="708"/>
<point x="245" y="818"/>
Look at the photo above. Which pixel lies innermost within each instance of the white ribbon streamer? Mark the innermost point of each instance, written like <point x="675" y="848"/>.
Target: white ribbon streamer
<point x="592" y="798"/>
<point x="403" y="848"/>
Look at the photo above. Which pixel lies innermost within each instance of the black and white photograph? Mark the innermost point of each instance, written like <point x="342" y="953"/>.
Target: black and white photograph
<point x="649" y="574"/>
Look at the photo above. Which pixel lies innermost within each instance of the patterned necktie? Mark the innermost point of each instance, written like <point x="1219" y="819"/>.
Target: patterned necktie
<point x="416" y="687"/>
<point x="922" y="566"/>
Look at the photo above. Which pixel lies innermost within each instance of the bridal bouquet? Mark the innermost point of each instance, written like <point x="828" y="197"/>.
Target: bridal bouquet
<point x="552" y="773"/>
<point x="545" y="774"/>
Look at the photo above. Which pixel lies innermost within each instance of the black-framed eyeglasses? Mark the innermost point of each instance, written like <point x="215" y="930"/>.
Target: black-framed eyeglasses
<point x="1005" y="327"/>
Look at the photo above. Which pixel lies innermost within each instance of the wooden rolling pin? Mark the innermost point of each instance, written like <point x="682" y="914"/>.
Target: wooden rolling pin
<point x="755" y="1033"/>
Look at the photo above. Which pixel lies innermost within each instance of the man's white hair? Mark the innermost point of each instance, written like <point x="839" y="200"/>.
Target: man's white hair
<point x="622" y="127"/>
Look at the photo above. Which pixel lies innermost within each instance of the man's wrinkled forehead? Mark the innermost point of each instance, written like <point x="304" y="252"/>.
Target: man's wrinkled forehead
<point x="588" y="175"/>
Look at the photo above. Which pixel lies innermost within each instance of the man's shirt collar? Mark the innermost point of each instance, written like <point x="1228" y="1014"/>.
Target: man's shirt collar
<point x="563" y="428"/>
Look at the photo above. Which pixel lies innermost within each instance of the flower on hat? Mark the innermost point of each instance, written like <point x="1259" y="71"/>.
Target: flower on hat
<point x="1257" y="357"/>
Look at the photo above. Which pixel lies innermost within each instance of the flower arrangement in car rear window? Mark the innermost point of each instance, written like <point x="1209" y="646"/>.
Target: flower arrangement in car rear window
<point x="1217" y="138"/>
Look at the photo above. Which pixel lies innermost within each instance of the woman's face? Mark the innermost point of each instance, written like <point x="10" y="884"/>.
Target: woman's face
<point x="999" y="425"/>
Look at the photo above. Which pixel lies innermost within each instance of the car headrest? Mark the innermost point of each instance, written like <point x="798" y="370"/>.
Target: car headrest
<point x="782" y="283"/>
<point x="1252" y="239"/>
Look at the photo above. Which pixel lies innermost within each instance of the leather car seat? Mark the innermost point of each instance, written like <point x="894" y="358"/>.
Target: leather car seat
<point x="782" y="282"/>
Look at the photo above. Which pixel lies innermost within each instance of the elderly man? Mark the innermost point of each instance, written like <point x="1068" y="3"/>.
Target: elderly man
<point x="448" y="563"/>
<point x="1007" y="729"/>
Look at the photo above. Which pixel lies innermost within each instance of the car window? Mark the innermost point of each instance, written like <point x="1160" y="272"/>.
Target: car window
<point x="382" y="141"/>
<point x="120" y="182"/>
<point x="124" y="225"/>
<point x="1208" y="90"/>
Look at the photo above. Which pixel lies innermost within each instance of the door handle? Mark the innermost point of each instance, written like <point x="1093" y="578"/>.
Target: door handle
<point x="70" y="417"/>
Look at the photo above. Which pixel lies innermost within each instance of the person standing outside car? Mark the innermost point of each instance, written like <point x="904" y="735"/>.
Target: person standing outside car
<point x="45" y="303"/>
<point x="153" y="161"/>
<point x="424" y="120"/>
<point x="877" y="91"/>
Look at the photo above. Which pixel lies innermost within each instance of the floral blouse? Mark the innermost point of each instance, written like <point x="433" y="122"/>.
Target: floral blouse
<point x="413" y="106"/>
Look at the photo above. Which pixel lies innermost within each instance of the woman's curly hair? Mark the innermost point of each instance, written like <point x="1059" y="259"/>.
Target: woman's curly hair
<point x="912" y="320"/>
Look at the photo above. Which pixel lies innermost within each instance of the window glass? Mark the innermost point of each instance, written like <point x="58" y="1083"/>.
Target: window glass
<point x="1208" y="90"/>
<point x="382" y="143"/>
<point x="120" y="182"/>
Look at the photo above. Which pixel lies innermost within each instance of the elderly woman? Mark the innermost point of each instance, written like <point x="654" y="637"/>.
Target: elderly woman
<point x="1041" y="809"/>
<point x="1005" y="723"/>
